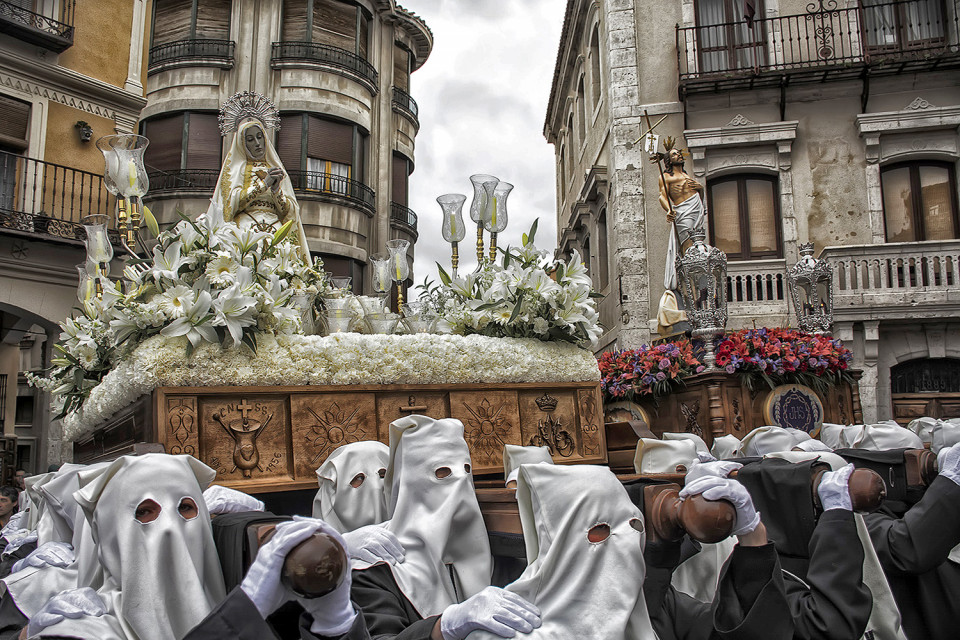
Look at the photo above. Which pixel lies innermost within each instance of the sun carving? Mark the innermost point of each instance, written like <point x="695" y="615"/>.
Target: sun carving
<point x="333" y="428"/>
<point x="488" y="429"/>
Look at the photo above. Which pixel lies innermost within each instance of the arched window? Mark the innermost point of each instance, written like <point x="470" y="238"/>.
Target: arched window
<point x="745" y="216"/>
<point x="595" y="82"/>
<point x="581" y="114"/>
<point x="602" y="255"/>
<point x="563" y="171"/>
<point x="920" y="201"/>
<point x="570" y="140"/>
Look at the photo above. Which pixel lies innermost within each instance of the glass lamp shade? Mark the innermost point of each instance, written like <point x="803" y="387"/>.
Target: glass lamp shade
<point x="452" y="205"/>
<point x="124" y="173"/>
<point x="399" y="269"/>
<point x="382" y="280"/>
<point x="495" y="219"/>
<point x="86" y="288"/>
<point x="479" y="203"/>
<point x="99" y="248"/>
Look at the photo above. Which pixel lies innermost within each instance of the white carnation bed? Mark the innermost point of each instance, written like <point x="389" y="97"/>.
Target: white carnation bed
<point x="342" y="359"/>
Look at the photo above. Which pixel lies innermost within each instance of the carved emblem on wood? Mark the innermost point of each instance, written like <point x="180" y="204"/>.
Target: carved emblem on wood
<point x="334" y="427"/>
<point x="588" y="423"/>
<point x="244" y="429"/>
<point x="842" y="405"/>
<point x="487" y="428"/>
<point x="737" y="416"/>
<point x="182" y="422"/>
<point x="690" y="413"/>
<point x="551" y="434"/>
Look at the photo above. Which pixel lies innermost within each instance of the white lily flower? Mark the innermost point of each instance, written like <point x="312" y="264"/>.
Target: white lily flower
<point x="235" y="311"/>
<point x="195" y="323"/>
<point x="167" y="263"/>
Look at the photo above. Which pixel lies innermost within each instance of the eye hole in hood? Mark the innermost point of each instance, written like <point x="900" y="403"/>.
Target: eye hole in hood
<point x="598" y="533"/>
<point x="357" y="480"/>
<point x="442" y="472"/>
<point x="147" y="511"/>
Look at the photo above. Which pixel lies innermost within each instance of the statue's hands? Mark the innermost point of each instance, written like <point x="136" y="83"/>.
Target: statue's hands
<point x="690" y="183"/>
<point x="671" y="216"/>
<point x="274" y="178"/>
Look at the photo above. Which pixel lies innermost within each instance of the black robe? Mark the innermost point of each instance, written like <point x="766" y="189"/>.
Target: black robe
<point x="913" y="553"/>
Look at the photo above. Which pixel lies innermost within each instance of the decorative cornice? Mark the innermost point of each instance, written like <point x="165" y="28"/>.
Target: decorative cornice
<point x="418" y="31"/>
<point x="67" y="87"/>
<point x="744" y="134"/>
<point x="918" y="103"/>
<point x="919" y="115"/>
<point x="739" y="121"/>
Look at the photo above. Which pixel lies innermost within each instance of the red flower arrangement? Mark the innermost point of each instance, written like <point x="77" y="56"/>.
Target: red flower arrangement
<point x="771" y="356"/>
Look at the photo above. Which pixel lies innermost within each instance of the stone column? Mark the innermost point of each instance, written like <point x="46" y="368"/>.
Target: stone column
<point x="135" y="65"/>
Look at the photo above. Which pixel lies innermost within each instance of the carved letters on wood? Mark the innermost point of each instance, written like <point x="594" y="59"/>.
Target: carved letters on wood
<point x="244" y="437"/>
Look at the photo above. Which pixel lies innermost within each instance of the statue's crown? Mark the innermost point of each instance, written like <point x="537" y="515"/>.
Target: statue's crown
<point x="248" y="105"/>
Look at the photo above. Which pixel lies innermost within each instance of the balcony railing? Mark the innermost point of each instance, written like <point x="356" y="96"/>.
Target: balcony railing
<point x="903" y="279"/>
<point x="200" y="52"/>
<point x="404" y="103"/>
<point x="333" y="188"/>
<point x="183" y="180"/>
<point x="55" y="34"/>
<point x="824" y="39"/>
<point x="758" y="288"/>
<point x="336" y="59"/>
<point x="403" y="215"/>
<point x="44" y="198"/>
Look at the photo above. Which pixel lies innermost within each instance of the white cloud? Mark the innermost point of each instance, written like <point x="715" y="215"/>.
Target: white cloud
<point x="483" y="96"/>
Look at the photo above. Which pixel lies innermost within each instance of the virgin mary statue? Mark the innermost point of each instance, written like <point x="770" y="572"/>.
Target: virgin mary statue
<point x="253" y="189"/>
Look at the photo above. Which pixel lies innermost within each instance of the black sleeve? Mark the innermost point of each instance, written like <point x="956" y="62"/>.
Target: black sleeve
<point x="834" y="604"/>
<point x="236" y="618"/>
<point x="750" y="603"/>
<point x="924" y="536"/>
<point x="387" y="612"/>
<point x="6" y="564"/>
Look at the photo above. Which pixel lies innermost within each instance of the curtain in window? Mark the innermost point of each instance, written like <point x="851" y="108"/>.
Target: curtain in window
<point x="725" y="217"/>
<point x="923" y="20"/>
<point x="936" y="203"/>
<point x="712" y="35"/>
<point x="762" y="217"/>
<point x="898" y="205"/>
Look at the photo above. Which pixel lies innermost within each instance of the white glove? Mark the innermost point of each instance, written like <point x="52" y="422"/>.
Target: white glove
<point x="703" y="456"/>
<point x="72" y="603"/>
<point x="713" y="488"/>
<point x="13" y="524"/>
<point x="53" y="554"/>
<point x="223" y="500"/>
<point x="834" y="489"/>
<point x="17" y="539"/>
<point x="333" y="614"/>
<point x="948" y="461"/>
<point x="717" y="469"/>
<point x="373" y="544"/>
<point x="496" y="610"/>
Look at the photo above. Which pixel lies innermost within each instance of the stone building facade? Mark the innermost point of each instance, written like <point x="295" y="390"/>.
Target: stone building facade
<point x="339" y="72"/>
<point x="831" y="123"/>
<point x="63" y="84"/>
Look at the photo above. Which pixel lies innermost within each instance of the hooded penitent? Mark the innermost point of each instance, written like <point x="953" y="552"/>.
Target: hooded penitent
<point x="435" y="515"/>
<point x="161" y="575"/>
<point x="692" y="437"/>
<point x="839" y="436"/>
<point x="515" y="455"/>
<point x="584" y="540"/>
<point x="351" y="486"/>
<point x="885" y="435"/>
<point x="725" y="447"/>
<point x="664" y="456"/>
<point x="764" y="440"/>
<point x="31" y="587"/>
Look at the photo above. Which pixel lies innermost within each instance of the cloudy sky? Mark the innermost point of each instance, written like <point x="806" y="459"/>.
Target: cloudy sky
<point x="483" y="96"/>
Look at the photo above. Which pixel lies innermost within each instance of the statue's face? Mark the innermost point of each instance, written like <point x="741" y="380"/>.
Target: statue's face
<point x="676" y="157"/>
<point x="254" y="142"/>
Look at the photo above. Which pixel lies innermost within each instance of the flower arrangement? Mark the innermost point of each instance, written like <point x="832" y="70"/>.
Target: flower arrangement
<point x="209" y="281"/>
<point x="527" y="295"/>
<point x="760" y="356"/>
<point x="648" y="371"/>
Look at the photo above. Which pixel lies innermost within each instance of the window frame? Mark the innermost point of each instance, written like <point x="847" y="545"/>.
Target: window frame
<point x="915" y="195"/>
<point x="361" y="44"/>
<point x="746" y="247"/>
<point x="733" y="18"/>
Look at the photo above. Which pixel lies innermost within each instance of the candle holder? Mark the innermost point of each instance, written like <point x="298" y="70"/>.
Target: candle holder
<point x="811" y="287"/>
<point x="125" y="177"/>
<point x="495" y="218"/>
<point x="702" y="272"/>
<point x="453" y="228"/>
<point x="477" y="208"/>
<point x="382" y="282"/>
<point x="99" y="249"/>
<point x="399" y="269"/>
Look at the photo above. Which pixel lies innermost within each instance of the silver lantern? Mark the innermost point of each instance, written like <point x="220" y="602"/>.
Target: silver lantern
<point x="811" y="287"/>
<point x="702" y="274"/>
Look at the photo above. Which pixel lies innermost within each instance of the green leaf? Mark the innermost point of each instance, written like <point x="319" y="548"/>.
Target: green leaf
<point x="506" y="259"/>
<point x="530" y="235"/>
<point x="150" y="221"/>
<point x="516" y="308"/>
<point x="489" y="305"/>
<point x="187" y="219"/>
<point x="189" y="349"/>
<point x="250" y="339"/>
<point x="560" y="272"/>
<point x="444" y="276"/>
<point x="281" y="234"/>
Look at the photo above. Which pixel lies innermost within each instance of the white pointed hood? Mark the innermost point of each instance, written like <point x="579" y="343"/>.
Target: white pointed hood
<point x="725" y="447"/>
<point x="692" y="437"/>
<point x="437" y="519"/>
<point x="664" y="456"/>
<point x="764" y="440"/>
<point x="516" y="455"/>
<point x="351" y="491"/>
<point x="885" y="435"/>
<point x="584" y="587"/>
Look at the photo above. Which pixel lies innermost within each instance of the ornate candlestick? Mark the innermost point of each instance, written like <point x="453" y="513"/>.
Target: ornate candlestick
<point x="477" y="208"/>
<point x="125" y="177"/>
<point x="399" y="269"/>
<point x="495" y="217"/>
<point x="453" y="228"/>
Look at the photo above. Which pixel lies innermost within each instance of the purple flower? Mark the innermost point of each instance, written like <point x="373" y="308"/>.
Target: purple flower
<point x="661" y="376"/>
<point x="730" y="368"/>
<point x="664" y="363"/>
<point x="700" y="368"/>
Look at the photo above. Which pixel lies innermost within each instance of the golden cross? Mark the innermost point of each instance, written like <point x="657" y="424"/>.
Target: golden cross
<point x="652" y="127"/>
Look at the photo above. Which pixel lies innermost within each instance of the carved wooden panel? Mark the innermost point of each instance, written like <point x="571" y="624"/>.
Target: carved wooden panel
<point x="591" y="423"/>
<point x="181" y="425"/>
<point x="323" y="422"/>
<point x="491" y="419"/>
<point x="393" y="406"/>
<point x="245" y="437"/>
<point x="549" y="419"/>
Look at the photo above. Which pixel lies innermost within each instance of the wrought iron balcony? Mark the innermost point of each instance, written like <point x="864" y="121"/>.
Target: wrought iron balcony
<point x="53" y="33"/>
<point x="825" y="42"/>
<point x="202" y="180"/>
<point x="43" y="198"/>
<point x="199" y="52"/>
<point x="404" y="216"/>
<point x="404" y="104"/>
<point x="335" y="59"/>
<point x="329" y="187"/>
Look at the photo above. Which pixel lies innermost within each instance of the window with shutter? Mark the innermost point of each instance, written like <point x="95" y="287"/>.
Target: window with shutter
<point x="745" y="216"/>
<point x="213" y="19"/>
<point x="165" y="151"/>
<point x="335" y="24"/>
<point x="401" y="68"/>
<point x="294" y="27"/>
<point x="14" y="122"/>
<point x="401" y="172"/>
<point x="920" y="201"/>
<point x="203" y="142"/>
<point x="172" y="21"/>
<point x="289" y="142"/>
<point x="330" y="140"/>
